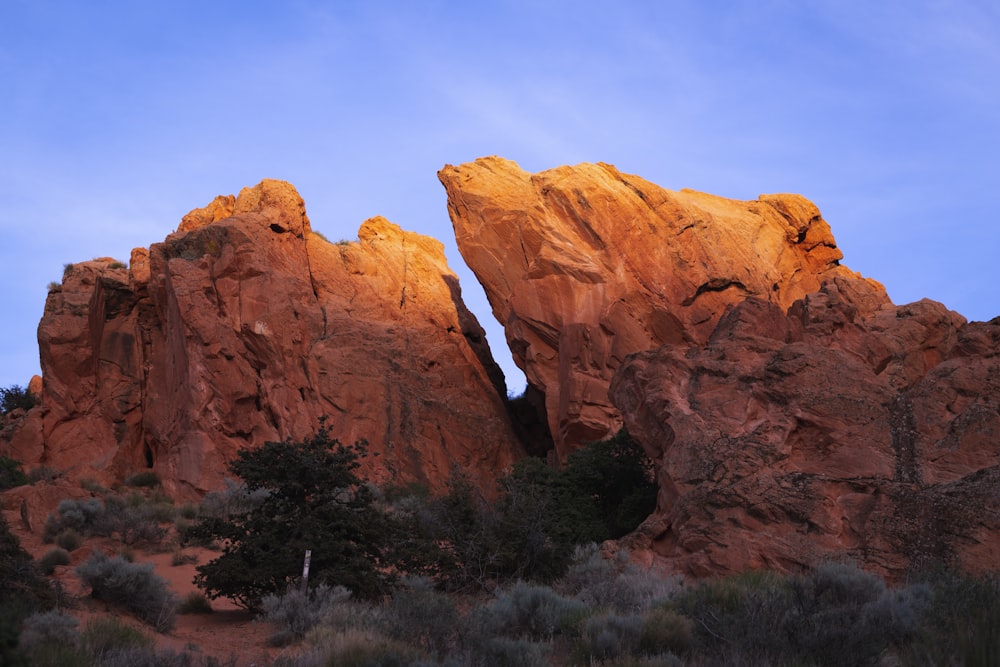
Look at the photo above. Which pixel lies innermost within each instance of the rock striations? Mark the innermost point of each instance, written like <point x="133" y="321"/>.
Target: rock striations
<point x="245" y="326"/>
<point x="793" y="413"/>
<point x="585" y="265"/>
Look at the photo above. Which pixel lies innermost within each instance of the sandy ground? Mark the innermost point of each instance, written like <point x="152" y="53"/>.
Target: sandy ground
<point x="229" y="633"/>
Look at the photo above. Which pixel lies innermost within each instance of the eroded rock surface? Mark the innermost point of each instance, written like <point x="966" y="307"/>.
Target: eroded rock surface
<point x="245" y="326"/>
<point x="846" y="427"/>
<point x="585" y="265"/>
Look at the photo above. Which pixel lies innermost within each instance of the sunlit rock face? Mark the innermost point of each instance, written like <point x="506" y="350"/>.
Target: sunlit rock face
<point x="244" y="326"/>
<point x="585" y="265"/>
<point x="844" y="428"/>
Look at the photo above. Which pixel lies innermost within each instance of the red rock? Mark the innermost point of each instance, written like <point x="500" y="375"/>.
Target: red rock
<point x="244" y="326"/>
<point x="838" y="430"/>
<point x="585" y="265"/>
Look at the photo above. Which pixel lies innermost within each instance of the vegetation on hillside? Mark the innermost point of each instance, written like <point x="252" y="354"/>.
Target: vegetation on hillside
<point x="399" y="577"/>
<point x="14" y="397"/>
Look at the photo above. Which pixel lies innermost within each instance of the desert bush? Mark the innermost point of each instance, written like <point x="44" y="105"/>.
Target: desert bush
<point x="131" y="524"/>
<point x="23" y="591"/>
<point x="43" y="474"/>
<point x="106" y="635"/>
<point x="131" y="586"/>
<point x="195" y="603"/>
<point x="11" y="474"/>
<point x="49" y="627"/>
<point x="53" y="558"/>
<point x="834" y="614"/>
<point x="530" y="610"/>
<point x="507" y="652"/>
<point x="613" y="583"/>
<point x="355" y="647"/>
<point x="69" y="539"/>
<point x="664" y="630"/>
<point x="420" y="616"/>
<point x="960" y="623"/>
<point x="296" y="612"/>
<point x="83" y="517"/>
<point x="609" y="636"/>
<point x="188" y="511"/>
<point x="604" y="491"/>
<point x="146" y="478"/>
<point x="178" y="558"/>
<point x="92" y="485"/>
<point x="232" y="500"/>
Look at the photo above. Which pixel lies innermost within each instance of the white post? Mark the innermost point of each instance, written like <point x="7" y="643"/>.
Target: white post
<point x="305" y="571"/>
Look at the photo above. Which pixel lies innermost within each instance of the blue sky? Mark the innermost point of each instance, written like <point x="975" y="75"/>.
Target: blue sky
<point x="116" y="118"/>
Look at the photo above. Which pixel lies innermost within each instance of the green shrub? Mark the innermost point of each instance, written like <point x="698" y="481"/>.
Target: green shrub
<point x="106" y="635"/>
<point x="195" y="602"/>
<point x="117" y="265"/>
<point x="960" y="623"/>
<point x="832" y="615"/>
<point x="356" y="647"/>
<point x="23" y="591"/>
<point x="507" y="652"/>
<point x="178" y="558"/>
<point x="49" y="627"/>
<point x="296" y="613"/>
<point x="11" y="474"/>
<point x="664" y="630"/>
<point x="53" y="558"/>
<point x="420" y="616"/>
<point x="188" y="511"/>
<point x="609" y="636"/>
<point x="131" y="586"/>
<point x="146" y="478"/>
<point x="42" y="474"/>
<point x="533" y="611"/>
<point x="16" y="397"/>
<point x="84" y="517"/>
<point x="314" y="500"/>
<point x="92" y="485"/>
<point x="613" y="583"/>
<point x="69" y="539"/>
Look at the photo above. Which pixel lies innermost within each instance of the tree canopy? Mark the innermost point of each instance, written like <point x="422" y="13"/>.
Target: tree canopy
<point x="309" y="496"/>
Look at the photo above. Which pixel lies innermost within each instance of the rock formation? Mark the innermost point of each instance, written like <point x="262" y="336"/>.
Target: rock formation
<point x="793" y="413"/>
<point x="847" y="427"/>
<point x="245" y="326"/>
<point x="585" y="265"/>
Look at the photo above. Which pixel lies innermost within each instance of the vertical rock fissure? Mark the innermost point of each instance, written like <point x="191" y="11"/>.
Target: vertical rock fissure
<point x="903" y="431"/>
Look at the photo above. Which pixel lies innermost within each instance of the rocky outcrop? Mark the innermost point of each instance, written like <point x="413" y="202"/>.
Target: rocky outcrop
<point x="846" y="427"/>
<point x="245" y="326"/>
<point x="585" y="265"/>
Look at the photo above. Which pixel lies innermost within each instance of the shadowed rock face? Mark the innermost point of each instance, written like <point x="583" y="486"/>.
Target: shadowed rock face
<point x="847" y="427"/>
<point x="244" y="326"/>
<point x="585" y="265"/>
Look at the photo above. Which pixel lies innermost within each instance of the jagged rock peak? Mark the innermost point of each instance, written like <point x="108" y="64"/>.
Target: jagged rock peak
<point x="277" y="201"/>
<point x="244" y="326"/>
<point x="585" y="265"/>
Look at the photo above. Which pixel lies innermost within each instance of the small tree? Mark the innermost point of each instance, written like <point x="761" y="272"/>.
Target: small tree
<point x="14" y="397"/>
<point x="314" y="500"/>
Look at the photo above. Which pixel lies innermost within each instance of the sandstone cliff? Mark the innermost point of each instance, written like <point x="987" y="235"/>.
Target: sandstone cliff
<point x="245" y="326"/>
<point x="585" y="265"/>
<point x="847" y="427"/>
<point x="793" y="413"/>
